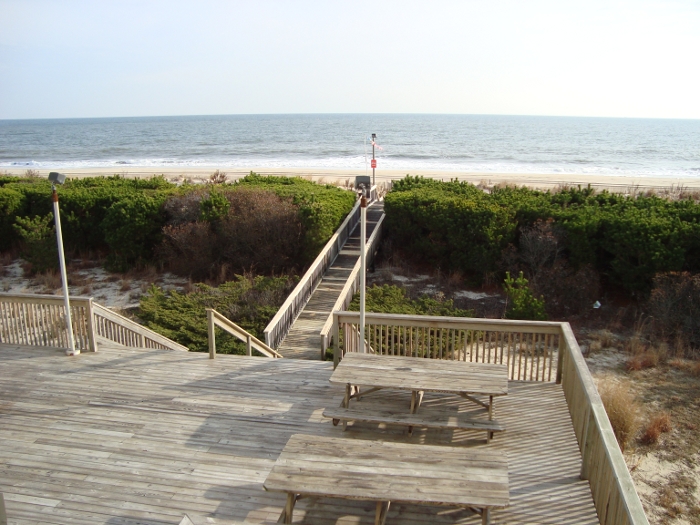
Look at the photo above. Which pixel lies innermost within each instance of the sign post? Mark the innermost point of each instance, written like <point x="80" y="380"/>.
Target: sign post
<point x="374" y="161"/>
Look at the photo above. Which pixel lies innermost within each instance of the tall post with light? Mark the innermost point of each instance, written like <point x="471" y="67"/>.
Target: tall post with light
<point x="60" y="178"/>
<point x="363" y="267"/>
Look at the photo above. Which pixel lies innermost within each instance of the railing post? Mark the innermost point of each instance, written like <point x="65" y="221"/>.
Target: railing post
<point x="212" y="334"/>
<point x="92" y="332"/>
<point x="336" y="341"/>
<point x="585" y="447"/>
<point x="248" y="349"/>
<point x="560" y="358"/>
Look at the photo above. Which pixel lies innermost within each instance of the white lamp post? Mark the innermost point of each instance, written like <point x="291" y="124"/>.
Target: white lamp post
<point x="363" y="267"/>
<point x="60" y="178"/>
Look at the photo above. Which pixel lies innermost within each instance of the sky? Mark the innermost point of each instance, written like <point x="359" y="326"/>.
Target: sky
<point x="70" y="59"/>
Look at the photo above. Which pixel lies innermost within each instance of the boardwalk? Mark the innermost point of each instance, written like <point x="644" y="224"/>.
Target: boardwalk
<point x="131" y="437"/>
<point x="303" y="339"/>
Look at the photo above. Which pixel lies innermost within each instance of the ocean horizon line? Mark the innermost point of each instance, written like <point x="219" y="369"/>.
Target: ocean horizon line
<point x="396" y="114"/>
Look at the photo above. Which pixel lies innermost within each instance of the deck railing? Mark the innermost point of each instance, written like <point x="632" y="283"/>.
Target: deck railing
<point x="124" y="331"/>
<point x="39" y="320"/>
<point x="280" y="324"/>
<point x="215" y="319"/>
<point x="532" y="351"/>
<point x="351" y="285"/>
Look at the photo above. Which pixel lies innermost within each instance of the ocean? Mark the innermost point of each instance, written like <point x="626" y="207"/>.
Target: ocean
<point x="465" y="143"/>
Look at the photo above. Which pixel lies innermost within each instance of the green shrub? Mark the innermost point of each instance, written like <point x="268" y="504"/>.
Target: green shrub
<point x="11" y="203"/>
<point x="214" y="207"/>
<point x="389" y="299"/>
<point x="627" y="240"/>
<point x="449" y="230"/>
<point x="322" y="208"/>
<point x="250" y="302"/>
<point x="132" y="228"/>
<point x="39" y="246"/>
<point x="125" y="217"/>
<point x="521" y="303"/>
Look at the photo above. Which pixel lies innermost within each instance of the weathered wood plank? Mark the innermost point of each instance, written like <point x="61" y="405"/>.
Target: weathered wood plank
<point x="127" y="436"/>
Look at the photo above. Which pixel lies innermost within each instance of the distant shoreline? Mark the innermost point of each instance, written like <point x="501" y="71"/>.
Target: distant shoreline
<point x="614" y="183"/>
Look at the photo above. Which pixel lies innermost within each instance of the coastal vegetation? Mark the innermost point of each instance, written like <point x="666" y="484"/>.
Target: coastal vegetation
<point x="627" y="240"/>
<point x="389" y="299"/>
<point x="250" y="301"/>
<point x="212" y="231"/>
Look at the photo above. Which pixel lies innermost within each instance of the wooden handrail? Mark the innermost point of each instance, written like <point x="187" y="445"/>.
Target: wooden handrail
<point x="351" y="285"/>
<point x="603" y="464"/>
<point x="214" y="319"/>
<point x="39" y="320"/>
<point x="279" y="325"/>
<point x="35" y="319"/>
<point x="528" y="346"/>
<point x="124" y="331"/>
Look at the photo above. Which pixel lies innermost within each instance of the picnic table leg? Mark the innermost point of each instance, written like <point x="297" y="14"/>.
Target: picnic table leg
<point x="486" y="516"/>
<point x="286" y="516"/>
<point x="344" y="404"/>
<point x="382" y="511"/>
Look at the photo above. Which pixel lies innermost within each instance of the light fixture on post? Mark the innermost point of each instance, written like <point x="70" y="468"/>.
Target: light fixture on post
<point x="60" y="178"/>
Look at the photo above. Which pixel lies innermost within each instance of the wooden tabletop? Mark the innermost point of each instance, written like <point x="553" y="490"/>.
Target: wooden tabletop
<point x="414" y="373"/>
<point x="396" y="472"/>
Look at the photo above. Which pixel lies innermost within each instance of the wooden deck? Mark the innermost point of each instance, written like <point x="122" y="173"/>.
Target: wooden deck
<point x="303" y="339"/>
<point x="127" y="436"/>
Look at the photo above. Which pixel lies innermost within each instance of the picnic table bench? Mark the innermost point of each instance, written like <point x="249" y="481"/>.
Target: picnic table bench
<point x="359" y="371"/>
<point x="384" y="472"/>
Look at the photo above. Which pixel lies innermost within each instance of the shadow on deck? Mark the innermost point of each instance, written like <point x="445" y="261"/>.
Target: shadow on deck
<point x="128" y="436"/>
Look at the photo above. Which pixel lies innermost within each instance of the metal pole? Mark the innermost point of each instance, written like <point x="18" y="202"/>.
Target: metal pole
<point x="373" y="168"/>
<point x="363" y="268"/>
<point x="62" y="261"/>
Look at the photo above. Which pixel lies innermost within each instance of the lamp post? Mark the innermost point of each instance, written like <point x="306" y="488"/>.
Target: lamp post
<point x="363" y="267"/>
<point x="60" y="178"/>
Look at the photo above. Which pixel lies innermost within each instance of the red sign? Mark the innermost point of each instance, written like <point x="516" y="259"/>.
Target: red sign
<point x="374" y="163"/>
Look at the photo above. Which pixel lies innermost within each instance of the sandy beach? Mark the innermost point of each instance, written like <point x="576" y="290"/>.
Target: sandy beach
<point x="620" y="184"/>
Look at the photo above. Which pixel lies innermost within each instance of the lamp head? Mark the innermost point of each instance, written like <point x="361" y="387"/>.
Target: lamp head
<point x="374" y="136"/>
<point x="57" y="178"/>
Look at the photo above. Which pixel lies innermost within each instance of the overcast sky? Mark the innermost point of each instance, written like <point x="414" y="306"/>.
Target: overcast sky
<point x="137" y="58"/>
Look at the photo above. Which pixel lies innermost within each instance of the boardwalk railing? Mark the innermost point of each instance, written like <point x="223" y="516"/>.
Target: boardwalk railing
<point x="351" y="285"/>
<point x="39" y="320"/>
<point x="215" y="319"/>
<point x="532" y="351"/>
<point x="280" y="324"/>
<point x="124" y="331"/>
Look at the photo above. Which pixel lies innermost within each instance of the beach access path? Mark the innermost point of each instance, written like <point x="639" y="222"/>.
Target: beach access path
<point x="303" y="341"/>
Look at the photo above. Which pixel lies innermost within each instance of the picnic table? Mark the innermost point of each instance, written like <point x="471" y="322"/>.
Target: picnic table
<point x="385" y="472"/>
<point x="364" y="374"/>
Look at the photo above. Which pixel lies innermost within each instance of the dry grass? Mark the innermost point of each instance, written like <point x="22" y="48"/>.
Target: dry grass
<point x="125" y="285"/>
<point x="218" y="177"/>
<point x="50" y="280"/>
<point x="647" y="359"/>
<point x="605" y="338"/>
<point x="659" y="424"/>
<point x="622" y="409"/>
